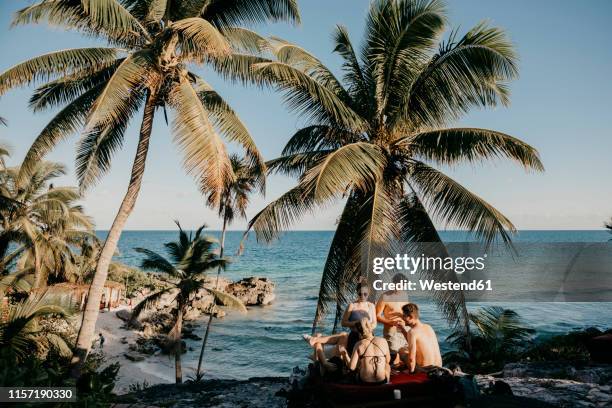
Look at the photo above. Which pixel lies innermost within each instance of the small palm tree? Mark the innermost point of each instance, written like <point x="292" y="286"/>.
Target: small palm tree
<point x="153" y="49"/>
<point x="375" y="136"/>
<point x="44" y="220"/>
<point x="19" y="329"/>
<point x="234" y="202"/>
<point x="498" y="336"/>
<point x="190" y="258"/>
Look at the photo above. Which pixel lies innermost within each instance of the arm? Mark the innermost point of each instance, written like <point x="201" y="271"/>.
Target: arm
<point x="354" y="358"/>
<point x="373" y="315"/>
<point x="345" y="317"/>
<point x="411" y="339"/>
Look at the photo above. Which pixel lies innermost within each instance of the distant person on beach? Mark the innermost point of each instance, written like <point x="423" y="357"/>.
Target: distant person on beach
<point x="371" y="356"/>
<point x="423" y="351"/>
<point x="389" y="313"/>
<point x="355" y="311"/>
<point x="101" y="340"/>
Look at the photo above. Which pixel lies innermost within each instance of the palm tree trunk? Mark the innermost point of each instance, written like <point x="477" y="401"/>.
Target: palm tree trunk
<point x="210" y="316"/>
<point x="178" y="348"/>
<point x="40" y="276"/>
<point x="90" y="315"/>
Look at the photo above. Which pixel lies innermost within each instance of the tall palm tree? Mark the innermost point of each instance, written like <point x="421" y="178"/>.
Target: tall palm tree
<point x="152" y="45"/>
<point x="374" y="136"/>
<point x="190" y="258"/>
<point x="234" y="202"/>
<point x="44" y="220"/>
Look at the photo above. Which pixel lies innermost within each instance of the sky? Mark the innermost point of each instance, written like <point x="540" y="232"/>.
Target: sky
<point x="561" y="104"/>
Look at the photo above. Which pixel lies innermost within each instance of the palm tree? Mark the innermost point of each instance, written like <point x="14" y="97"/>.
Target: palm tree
<point x="20" y="332"/>
<point x="44" y="220"/>
<point x="190" y="258"/>
<point x="151" y="46"/>
<point x="234" y="201"/>
<point x="374" y="136"/>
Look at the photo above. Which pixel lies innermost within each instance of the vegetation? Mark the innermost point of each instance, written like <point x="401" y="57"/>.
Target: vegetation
<point x="44" y="222"/>
<point x="20" y="332"/>
<point x="190" y="258"/>
<point x="374" y="136"/>
<point x="499" y="336"/>
<point x="234" y="202"/>
<point x="608" y="225"/>
<point x="151" y="47"/>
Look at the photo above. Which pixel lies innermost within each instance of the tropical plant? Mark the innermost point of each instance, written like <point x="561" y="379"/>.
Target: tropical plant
<point x="152" y="45"/>
<point x="374" y="136"/>
<point x="234" y="202"/>
<point x="190" y="258"/>
<point x="608" y="225"/>
<point x="499" y="336"/>
<point x="44" y="221"/>
<point x="20" y="331"/>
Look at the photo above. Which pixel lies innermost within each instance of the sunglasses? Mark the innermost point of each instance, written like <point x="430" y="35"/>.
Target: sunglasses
<point x="364" y="294"/>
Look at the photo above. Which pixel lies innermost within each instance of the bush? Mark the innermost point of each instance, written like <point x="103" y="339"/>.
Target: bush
<point x="94" y="387"/>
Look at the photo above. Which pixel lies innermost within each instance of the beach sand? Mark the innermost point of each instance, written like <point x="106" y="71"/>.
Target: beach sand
<point x="154" y="369"/>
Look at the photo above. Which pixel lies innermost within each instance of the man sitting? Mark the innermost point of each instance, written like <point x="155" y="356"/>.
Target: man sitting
<point x="423" y="350"/>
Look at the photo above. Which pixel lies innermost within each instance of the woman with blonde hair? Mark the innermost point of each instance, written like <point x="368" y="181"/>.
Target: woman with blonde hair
<point x="371" y="356"/>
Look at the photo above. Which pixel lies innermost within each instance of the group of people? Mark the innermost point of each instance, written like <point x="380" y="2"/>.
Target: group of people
<point x="408" y="343"/>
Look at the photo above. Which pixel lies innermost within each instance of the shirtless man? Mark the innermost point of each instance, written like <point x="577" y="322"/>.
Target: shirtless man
<point x="389" y="313"/>
<point x="423" y="349"/>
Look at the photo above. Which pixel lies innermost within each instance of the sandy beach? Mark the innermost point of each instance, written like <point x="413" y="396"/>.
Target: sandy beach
<point x="154" y="369"/>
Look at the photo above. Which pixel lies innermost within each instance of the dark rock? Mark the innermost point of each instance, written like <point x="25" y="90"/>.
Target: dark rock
<point x="133" y="356"/>
<point x="124" y="314"/>
<point x="600" y="348"/>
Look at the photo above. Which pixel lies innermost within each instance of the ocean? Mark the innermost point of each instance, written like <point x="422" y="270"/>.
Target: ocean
<point x="267" y="340"/>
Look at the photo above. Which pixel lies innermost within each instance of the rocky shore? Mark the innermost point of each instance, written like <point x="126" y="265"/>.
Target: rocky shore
<point x="141" y="347"/>
<point x="561" y="384"/>
<point x="531" y="385"/>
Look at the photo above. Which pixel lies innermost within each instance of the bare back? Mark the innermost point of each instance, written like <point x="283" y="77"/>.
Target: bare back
<point x="372" y="357"/>
<point x="424" y="339"/>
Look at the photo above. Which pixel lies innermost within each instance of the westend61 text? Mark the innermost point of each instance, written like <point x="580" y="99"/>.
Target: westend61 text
<point x="430" y="284"/>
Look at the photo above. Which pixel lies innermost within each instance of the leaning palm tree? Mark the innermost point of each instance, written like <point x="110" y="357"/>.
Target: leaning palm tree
<point x="374" y="136"/>
<point x="20" y="331"/>
<point x="234" y="202"/>
<point x="190" y="258"/>
<point x="153" y="45"/>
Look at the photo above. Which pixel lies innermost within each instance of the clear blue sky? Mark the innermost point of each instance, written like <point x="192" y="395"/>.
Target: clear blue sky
<point x="561" y="104"/>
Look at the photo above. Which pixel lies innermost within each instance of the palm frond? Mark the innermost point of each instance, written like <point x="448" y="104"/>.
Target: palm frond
<point x="308" y="97"/>
<point x="65" y="62"/>
<point x="231" y="13"/>
<point x="450" y="146"/>
<point x="282" y="212"/>
<point x="357" y="165"/>
<point x="205" y="156"/>
<point x="456" y="205"/>
<point x="155" y="262"/>
<point x="228" y="122"/>
<point x="64" y="124"/>
<point x="467" y="73"/>
<point x="199" y="39"/>
<point x="114" y="102"/>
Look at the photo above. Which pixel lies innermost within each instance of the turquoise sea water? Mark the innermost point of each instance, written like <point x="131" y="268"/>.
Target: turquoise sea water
<point x="267" y="341"/>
